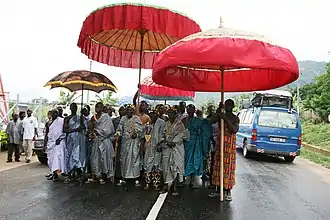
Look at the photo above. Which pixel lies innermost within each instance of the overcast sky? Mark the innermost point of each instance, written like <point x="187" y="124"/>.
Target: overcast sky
<point x="38" y="38"/>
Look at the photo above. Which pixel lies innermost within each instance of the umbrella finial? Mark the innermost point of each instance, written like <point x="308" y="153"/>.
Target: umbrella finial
<point x="221" y="22"/>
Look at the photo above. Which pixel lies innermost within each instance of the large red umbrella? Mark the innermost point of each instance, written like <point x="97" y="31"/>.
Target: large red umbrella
<point x="131" y="35"/>
<point x="153" y="91"/>
<point x="225" y="60"/>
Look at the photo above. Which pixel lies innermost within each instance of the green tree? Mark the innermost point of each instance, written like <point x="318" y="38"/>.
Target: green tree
<point x="11" y="104"/>
<point x="107" y="98"/>
<point x="210" y="102"/>
<point x="316" y="96"/>
<point x="66" y="98"/>
<point x="239" y="101"/>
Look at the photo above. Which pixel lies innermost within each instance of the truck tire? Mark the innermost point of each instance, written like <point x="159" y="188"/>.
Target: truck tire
<point x="42" y="160"/>
<point x="289" y="159"/>
<point x="246" y="152"/>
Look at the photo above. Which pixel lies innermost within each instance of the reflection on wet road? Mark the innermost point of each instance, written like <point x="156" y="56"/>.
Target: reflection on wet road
<point x="266" y="188"/>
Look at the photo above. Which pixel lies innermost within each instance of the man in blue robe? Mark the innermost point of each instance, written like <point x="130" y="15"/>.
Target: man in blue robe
<point x="198" y="144"/>
<point x="75" y="142"/>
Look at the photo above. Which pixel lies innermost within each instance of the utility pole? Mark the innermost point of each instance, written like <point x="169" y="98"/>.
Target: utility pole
<point x="17" y="102"/>
<point x="90" y="69"/>
<point x="298" y="98"/>
<point x="40" y="112"/>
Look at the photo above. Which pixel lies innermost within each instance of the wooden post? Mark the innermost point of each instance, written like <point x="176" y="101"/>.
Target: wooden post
<point x="142" y="33"/>
<point x="222" y="132"/>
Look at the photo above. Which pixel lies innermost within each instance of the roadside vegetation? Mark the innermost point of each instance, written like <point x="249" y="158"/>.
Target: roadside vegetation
<point x="317" y="134"/>
<point x="315" y="101"/>
<point x="316" y="158"/>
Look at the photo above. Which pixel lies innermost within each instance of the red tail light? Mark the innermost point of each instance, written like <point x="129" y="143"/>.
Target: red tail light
<point x="254" y="135"/>
<point x="300" y="140"/>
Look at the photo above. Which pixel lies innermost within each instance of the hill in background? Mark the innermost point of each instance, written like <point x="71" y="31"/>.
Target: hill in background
<point x="309" y="69"/>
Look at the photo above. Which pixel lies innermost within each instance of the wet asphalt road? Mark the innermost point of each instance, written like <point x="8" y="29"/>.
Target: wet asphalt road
<point x="266" y="188"/>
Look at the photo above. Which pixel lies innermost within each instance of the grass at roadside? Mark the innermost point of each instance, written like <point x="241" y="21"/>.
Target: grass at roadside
<point x="317" y="134"/>
<point x="316" y="158"/>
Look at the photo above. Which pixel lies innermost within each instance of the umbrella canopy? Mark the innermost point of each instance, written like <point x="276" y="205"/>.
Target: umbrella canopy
<point x="250" y="62"/>
<point x="151" y="90"/>
<point x="82" y="80"/>
<point x="115" y="34"/>
<point x="225" y="60"/>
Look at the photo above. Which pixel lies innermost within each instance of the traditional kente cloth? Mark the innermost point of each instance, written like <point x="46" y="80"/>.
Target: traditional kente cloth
<point x="229" y="161"/>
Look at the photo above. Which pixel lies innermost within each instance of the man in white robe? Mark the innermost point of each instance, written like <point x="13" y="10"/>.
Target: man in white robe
<point x="56" y="146"/>
<point x="102" y="153"/>
<point x="154" y="136"/>
<point x="173" y="153"/>
<point x="131" y="130"/>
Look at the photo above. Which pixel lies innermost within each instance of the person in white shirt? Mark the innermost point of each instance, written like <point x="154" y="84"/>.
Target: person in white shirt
<point x="30" y="126"/>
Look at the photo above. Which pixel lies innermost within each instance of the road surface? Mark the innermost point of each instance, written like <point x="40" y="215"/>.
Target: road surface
<point x="266" y="188"/>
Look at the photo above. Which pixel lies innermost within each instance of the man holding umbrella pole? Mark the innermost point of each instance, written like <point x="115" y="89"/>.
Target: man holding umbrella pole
<point x="231" y="122"/>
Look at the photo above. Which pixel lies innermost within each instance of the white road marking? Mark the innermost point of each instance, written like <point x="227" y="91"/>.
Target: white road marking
<point x="16" y="165"/>
<point x="157" y="206"/>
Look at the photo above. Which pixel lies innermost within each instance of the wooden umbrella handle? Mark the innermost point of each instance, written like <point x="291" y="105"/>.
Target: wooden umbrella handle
<point x="222" y="133"/>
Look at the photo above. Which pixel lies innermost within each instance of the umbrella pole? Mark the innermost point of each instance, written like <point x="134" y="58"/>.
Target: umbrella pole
<point x="90" y="69"/>
<point x="82" y="96"/>
<point x="165" y="102"/>
<point x="82" y="178"/>
<point x="222" y="130"/>
<point x="142" y="33"/>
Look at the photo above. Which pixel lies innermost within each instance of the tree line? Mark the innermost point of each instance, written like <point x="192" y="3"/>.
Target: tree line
<point x="315" y="96"/>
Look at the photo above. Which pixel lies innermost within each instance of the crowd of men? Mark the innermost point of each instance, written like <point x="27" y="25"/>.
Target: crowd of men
<point x="162" y="146"/>
<point x="21" y="132"/>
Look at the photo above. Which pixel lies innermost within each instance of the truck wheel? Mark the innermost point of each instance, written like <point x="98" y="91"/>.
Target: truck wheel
<point x="42" y="160"/>
<point x="289" y="159"/>
<point x="246" y="152"/>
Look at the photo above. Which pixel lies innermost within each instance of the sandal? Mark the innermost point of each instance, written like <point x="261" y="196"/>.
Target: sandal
<point x="175" y="193"/>
<point x="181" y="185"/>
<point x="55" y="179"/>
<point x="121" y="182"/>
<point x="137" y="183"/>
<point x="163" y="191"/>
<point x="195" y="186"/>
<point x="91" y="180"/>
<point x="214" y="194"/>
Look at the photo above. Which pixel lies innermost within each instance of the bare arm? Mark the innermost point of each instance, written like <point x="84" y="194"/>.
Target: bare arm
<point x="8" y="129"/>
<point x="232" y="123"/>
<point x="214" y="118"/>
<point x="66" y="128"/>
<point x="135" y="98"/>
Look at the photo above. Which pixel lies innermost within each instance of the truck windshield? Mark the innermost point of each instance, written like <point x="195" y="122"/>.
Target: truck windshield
<point x="277" y="119"/>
